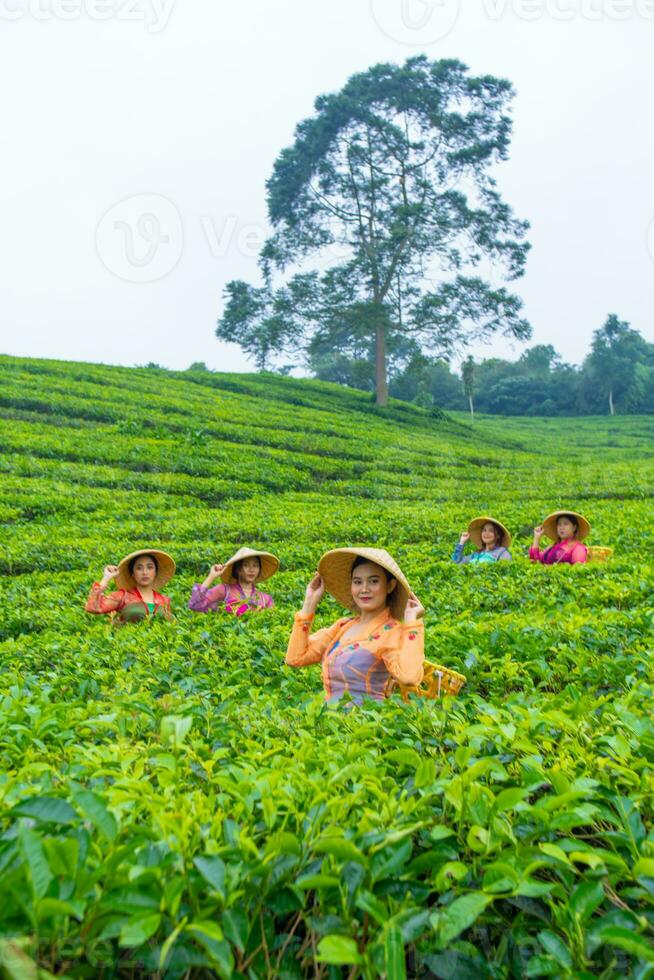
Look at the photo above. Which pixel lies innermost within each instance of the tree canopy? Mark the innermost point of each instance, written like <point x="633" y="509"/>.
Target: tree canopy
<point x="387" y="191"/>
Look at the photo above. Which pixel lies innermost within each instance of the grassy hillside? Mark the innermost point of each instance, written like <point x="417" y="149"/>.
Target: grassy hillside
<point x="175" y="802"/>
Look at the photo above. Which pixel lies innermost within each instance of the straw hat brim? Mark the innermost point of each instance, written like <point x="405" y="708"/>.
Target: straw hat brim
<point x="549" y="524"/>
<point x="269" y="564"/>
<point x="165" y="569"/>
<point x="335" y="567"/>
<point x="475" y="526"/>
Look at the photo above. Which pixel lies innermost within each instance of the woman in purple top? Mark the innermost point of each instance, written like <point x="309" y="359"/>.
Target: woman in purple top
<point x="566" y="529"/>
<point x="237" y="591"/>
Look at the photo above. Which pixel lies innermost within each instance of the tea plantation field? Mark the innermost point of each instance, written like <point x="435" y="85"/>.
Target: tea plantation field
<point x="175" y="802"/>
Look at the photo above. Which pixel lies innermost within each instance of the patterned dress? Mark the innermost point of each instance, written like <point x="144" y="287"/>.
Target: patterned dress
<point x="364" y="663"/>
<point x="561" y="553"/>
<point x="127" y="605"/>
<point x="230" y="597"/>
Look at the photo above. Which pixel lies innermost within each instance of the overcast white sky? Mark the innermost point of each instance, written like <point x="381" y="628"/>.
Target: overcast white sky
<point x="178" y="108"/>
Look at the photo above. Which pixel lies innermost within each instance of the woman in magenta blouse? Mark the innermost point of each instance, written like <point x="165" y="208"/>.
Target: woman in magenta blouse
<point x="567" y="530"/>
<point x="237" y="590"/>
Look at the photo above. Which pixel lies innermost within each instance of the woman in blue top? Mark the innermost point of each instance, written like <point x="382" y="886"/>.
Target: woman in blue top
<point x="491" y="539"/>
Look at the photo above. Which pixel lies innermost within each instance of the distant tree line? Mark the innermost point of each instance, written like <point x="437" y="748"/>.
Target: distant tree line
<point x="617" y="375"/>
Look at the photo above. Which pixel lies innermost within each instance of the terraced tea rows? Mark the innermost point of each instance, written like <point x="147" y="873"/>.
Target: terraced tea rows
<point x="176" y="802"/>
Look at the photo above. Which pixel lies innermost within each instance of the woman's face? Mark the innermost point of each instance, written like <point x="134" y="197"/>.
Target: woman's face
<point x="144" y="572"/>
<point x="370" y="587"/>
<point x="489" y="535"/>
<point x="565" y="528"/>
<point x="249" y="571"/>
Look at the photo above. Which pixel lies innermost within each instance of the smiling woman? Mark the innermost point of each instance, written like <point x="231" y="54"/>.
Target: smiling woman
<point x="566" y="529"/>
<point x="491" y="539"/>
<point x="136" y="599"/>
<point x="237" y="591"/>
<point x="361" y="655"/>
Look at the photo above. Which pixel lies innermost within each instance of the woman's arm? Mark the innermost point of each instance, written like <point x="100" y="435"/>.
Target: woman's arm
<point x="306" y="648"/>
<point x="534" y="552"/>
<point x="579" y="554"/>
<point x="405" y="655"/>
<point x="505" y="555"/>
<point x="458" y="550"/>
<point x="458" y="555"/>
<point x="206" y="600"/>
<point x="100" y="603"/>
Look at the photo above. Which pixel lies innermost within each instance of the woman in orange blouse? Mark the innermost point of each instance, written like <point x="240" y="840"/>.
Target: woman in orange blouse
<point x="137" y="576"/>
<point x="361" y="655"/>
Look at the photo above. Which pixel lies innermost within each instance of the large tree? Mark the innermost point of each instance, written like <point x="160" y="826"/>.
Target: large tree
<point x="387" y="191"/>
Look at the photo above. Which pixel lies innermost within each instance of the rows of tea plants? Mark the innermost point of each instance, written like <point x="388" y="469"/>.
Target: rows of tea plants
<point x="175" y="802"/>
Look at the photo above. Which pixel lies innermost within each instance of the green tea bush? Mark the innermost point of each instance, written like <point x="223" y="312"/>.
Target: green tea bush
<point x="175" y="802"/>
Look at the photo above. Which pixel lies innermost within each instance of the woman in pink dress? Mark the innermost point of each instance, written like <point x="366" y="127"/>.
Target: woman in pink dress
<point x="237" y="591"/>
<point x="567" y="530"/>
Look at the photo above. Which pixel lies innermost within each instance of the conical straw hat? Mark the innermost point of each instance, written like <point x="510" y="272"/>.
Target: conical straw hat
<point x="269" y="564"/>
<point x="549" y="524"/>
<point x="336" y="570"/>
<point x="475" y="526"/>
<point x="165" y="569"/>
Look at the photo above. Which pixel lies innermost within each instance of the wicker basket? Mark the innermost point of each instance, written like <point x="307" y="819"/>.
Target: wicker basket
<point x="437" y="680"/>
<point x="597" y="552"/>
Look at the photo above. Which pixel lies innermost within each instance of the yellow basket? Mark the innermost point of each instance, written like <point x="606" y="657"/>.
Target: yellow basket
<point x="597" y="552"/>
<point x="437" y="680"/>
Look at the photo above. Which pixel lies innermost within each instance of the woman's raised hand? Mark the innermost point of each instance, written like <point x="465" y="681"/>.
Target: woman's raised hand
<point x="214" y="572"/>
<point x="314" y="592"/>
<point x="464" y="537"/>
<point x="109" y="572"/>
<point x="539" y="532"/>
<point x="414" y="609"/>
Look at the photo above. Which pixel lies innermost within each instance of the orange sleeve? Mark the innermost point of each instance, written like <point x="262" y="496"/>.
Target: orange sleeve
<point x="306" y="648"/>
<point x="98" y="602"/>
<point x="405" y="654"/>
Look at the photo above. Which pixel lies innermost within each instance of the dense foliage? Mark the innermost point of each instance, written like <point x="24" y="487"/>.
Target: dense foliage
<point x="175" y="802"/>
<point x="617" y="375"/>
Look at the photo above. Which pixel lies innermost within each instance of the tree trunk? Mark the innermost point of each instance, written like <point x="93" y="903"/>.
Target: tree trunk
<point x="611" y="405"/>
<point x="381" y="381"/>
<point x="472" y="408"/>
